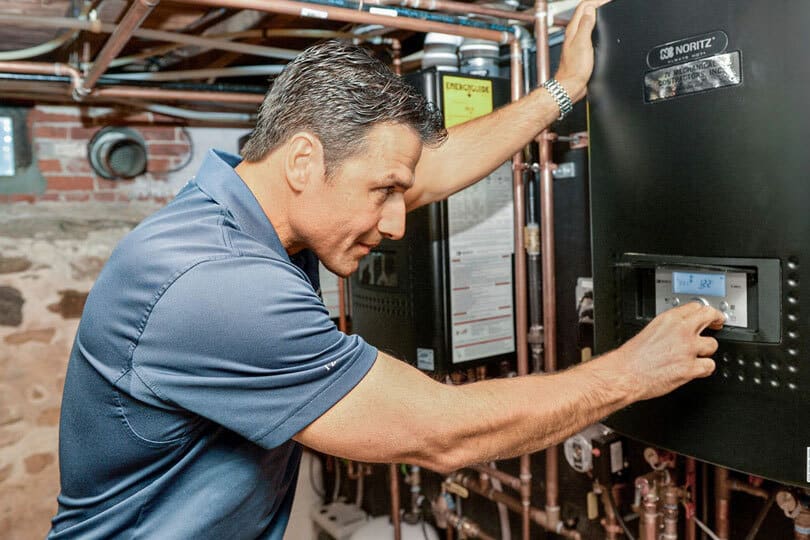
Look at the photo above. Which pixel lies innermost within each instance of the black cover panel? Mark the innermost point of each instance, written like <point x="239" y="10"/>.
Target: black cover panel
<point x="720" y="173"/>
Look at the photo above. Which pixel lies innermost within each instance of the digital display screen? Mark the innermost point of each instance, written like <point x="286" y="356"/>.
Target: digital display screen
<point x="700" y="284"/>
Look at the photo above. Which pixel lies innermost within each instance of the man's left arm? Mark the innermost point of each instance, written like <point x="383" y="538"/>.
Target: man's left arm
<point x="476" y="148"/>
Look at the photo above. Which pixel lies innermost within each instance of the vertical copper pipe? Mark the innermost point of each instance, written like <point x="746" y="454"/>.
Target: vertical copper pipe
<point x="521" y="316"/>
<point x="136" y="14"/>
<point x="722" y="494"/>
<point x="450" y="6"/>
<point x="649" y="518"/>
<point x="296" y="9"/>
<point x="611" y="522"/>
<point x="691" y="486"/>
<point x="392" y="470"/>
<point x="547" y="254"/>
<point x="342" y="304"/>
<point x="671" y="497"/>
<point x="704" y="496"/>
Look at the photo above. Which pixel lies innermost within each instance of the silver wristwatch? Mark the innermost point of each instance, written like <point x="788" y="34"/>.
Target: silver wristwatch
<point x="560" y="96"/>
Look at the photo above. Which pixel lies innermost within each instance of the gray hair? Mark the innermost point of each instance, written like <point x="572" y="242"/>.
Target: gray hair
<point x="339" y="91"/>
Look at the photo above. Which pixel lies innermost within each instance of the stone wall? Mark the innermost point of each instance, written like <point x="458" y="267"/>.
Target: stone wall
<point x="50" y="254"/>
<point x="52" y="246"/>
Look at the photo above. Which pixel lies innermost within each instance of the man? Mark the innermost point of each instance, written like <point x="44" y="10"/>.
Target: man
<point x="205" y="358"/>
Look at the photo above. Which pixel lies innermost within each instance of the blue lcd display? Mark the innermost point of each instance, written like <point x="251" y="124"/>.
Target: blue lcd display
<point x="703" y="284"/>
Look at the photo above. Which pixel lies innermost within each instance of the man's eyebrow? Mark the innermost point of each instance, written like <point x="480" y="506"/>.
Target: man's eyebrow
<point x="398" y="181"/>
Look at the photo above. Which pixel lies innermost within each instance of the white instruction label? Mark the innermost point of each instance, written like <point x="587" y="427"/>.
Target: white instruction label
<point x="480" y="220"/>
<point x="383" y="11"/>
<point x="314" y="13"/>
<point x="616" y="457"/>
<point x="424" y="359"/>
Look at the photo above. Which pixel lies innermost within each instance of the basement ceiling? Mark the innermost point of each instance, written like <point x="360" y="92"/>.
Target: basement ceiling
<point x="48" y="48"/>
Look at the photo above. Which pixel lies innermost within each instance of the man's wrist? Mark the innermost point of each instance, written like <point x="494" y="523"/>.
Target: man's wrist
<point x="575" y="89"/>
<point x="613" y="368"/>
<point x="560" y="96"/>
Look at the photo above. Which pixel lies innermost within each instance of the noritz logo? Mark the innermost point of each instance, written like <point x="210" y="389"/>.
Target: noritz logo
<point x="687" y="49"/>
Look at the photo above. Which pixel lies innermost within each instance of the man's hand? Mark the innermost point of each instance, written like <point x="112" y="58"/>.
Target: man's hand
<point x="576" y="62"/>
<point x="670" y="351"/>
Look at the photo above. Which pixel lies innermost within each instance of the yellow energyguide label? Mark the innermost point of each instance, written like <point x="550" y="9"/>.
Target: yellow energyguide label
<point x="465" y="98"/>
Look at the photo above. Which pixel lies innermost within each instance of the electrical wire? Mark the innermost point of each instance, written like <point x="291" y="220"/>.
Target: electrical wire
<point x="190" y="154"/>
<point x="318" y="491"/>
<point x="503" y="511"/>
<point x="616" y="513"/>
<point x="38" y="50"/>
<point x="706" y="529"/>
<point x="336" y="491"/>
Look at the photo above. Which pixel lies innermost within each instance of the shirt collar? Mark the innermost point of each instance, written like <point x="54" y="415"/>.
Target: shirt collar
<point x="219" y="180"/>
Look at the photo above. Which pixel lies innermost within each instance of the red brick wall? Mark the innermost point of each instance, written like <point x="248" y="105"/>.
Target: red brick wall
<point x="59" y="136"/>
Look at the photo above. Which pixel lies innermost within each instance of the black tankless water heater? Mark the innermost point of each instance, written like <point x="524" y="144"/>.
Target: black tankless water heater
<point x="700" y="192"/>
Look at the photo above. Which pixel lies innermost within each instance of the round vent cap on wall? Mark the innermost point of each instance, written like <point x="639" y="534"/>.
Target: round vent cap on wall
<point x="117" y="153"/>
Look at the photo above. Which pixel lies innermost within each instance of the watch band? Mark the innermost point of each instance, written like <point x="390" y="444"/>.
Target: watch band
<point x="560" y="96"/>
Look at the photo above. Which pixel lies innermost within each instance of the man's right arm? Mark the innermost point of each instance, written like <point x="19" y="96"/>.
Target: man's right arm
<point x="398" y="414"/>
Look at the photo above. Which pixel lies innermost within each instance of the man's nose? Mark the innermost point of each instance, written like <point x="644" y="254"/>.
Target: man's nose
<point x="392" y="220"/>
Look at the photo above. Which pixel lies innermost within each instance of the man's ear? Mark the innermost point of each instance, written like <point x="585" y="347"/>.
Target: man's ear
<point x="303" y="161"/>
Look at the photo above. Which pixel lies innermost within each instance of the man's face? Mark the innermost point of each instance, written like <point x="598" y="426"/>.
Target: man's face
<point x="364" y="201"/>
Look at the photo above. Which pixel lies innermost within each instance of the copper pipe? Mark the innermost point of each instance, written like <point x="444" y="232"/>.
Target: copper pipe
<point x="547" y="252"/>
<point x="43" y="68"/>
<point x="722" y="494"/>
<point x="671" y="497"/>
<point x="704" y="495"/>
<point x="504" y="478"/>
<point x="221" y="42"/>
<point x="691" y="487"/>
<point x="304" y="9"/>
<point x="176" y="95"/>
<point x="459" y="7"/>
<point x="538" y="516"/>
<point x="395" y="521"/>
<point x="342" y="305"/>
<point x="521" y="294"/>
<point x="649" y="518"/>
<point x="466" y="527"/>
<point x="611" y="523"/>
<point x="736" y="485"/>
<point x="136" y="14"/>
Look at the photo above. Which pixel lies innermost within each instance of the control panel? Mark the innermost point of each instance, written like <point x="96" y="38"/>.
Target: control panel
<point x="725" y="291"/>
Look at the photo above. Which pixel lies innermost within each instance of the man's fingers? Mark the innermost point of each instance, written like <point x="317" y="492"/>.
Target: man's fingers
<point x="708" y="317"/>
<point x="701" y="316"/>
<point x="707" y="346"/>
<point x="589" y="6"/>
<point x="704" y="367"/>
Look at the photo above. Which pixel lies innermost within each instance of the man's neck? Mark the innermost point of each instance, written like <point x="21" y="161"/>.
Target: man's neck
<point x="266" y="182"/>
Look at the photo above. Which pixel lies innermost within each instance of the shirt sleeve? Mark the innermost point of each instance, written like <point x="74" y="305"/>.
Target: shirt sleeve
<point x="247" y="343"/>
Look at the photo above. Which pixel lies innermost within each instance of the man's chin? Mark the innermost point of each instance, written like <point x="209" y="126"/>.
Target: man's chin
<point x="343" y="270"/>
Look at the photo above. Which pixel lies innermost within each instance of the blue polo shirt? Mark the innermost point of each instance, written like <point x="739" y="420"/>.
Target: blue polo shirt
<point x="203" y="348"/>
